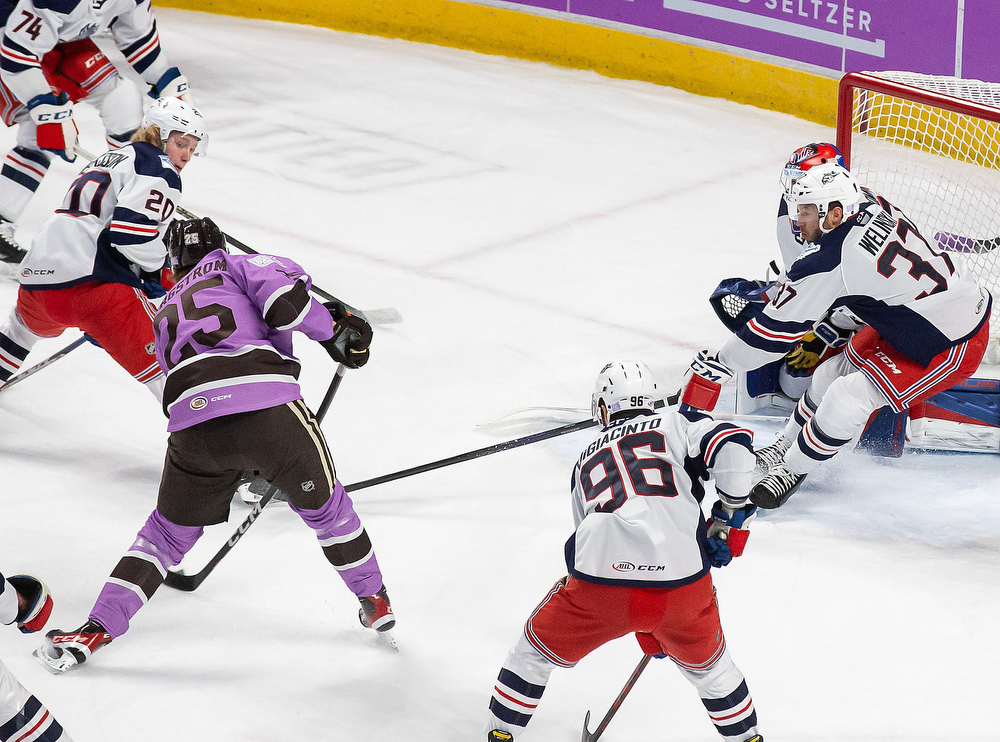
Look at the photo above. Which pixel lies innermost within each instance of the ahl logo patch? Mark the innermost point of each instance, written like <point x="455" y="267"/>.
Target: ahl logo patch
<point x="623" y="567"/>
<point x="199" y="403"/>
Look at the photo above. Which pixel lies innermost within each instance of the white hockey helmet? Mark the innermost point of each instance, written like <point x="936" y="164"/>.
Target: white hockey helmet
<point x="622" y="386"/>
<point x="822" y="185"/>
<point x="173" y="114"/>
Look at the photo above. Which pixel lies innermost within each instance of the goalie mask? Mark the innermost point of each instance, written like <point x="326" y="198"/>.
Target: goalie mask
<point x="191" y="240"/>
<point x="173" y="114"/>
<point x="805" y="158"/>
<point x="822" y="186"/>
<point x="622" y="386"/>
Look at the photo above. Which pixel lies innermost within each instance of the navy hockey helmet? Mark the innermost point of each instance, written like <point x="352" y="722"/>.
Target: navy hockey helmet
<point x="190" y="240"/>
<point x="804" y="158"/>
<point x="622" y="386"/>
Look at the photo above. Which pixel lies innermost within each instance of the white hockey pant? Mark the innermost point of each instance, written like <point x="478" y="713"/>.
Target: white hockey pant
<point x="525" y="673"/>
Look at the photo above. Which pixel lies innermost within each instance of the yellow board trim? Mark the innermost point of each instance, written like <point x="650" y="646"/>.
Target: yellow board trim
<point x="561" y="42"/>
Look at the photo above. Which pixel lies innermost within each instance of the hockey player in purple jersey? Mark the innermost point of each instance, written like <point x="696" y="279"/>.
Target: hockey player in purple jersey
<point x="24" y="599"/>
<point x="224" y="337"/>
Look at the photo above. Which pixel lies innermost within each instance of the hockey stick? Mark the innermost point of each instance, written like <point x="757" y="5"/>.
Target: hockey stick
<point x="188" y="583"/>
<point x="470" y="455"/>
<point x="387" y="316"/>
<point x="958" y="243"/>
<point x="592" y="736"/>
<point x="42" y="364"/>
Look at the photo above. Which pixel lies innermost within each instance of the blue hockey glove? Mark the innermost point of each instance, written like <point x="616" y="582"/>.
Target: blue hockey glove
<point x="703" y="381"/>
<point x="738" y="300"/>
<point x="172" y="84"/>
<point x="728" y="533"/>
<point x="55" y="129"/>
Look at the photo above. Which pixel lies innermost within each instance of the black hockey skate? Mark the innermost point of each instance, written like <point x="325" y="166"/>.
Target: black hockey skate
<point x="768" y="456"/>
<point x="376" y="613"/>
<point x="10" y="250"/>
<point x="497" y="736"/>
<point x="776" y="487"/>
<point x="65" y="649"/>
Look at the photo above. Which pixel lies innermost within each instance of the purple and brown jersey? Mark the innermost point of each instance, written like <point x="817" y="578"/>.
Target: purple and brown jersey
<point x="224" y="336"/>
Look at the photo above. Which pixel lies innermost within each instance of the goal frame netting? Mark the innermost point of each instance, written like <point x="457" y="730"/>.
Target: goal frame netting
<point x="946" y="141"/>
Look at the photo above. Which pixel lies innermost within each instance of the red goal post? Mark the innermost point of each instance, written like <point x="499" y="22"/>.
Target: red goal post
<point x="931" y="145"/>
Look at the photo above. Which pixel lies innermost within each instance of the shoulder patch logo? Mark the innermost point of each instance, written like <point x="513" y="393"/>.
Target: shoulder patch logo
<point x="261" y="260"/>
<point x="308" y="486"/>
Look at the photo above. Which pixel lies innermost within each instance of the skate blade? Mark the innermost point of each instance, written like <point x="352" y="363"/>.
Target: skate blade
<point x="387" y="640"/>
<point x="55" y="665"/>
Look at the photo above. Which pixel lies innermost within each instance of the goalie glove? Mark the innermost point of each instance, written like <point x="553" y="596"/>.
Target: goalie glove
<point x="736" y="301"/>
<point x="728" y="531"/>
<point x="172" y="84"/>
<point x="351" y="336"/>
<point x="35" y="604"/>
<point x="55" y="128"/>
<point x="703" y="381"/>
<point x="814" y="343"/>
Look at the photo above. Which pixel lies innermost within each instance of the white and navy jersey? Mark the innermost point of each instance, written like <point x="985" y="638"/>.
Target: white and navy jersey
<point x="33" y="29"/>
<point x="133" y="28"/>
<point x="110" y="224"/>
<point x="637" y="492"/>
<point x="878" y="266"/>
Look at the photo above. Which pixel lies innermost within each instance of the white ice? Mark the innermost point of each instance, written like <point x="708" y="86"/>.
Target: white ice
<point x="530" y="223"/>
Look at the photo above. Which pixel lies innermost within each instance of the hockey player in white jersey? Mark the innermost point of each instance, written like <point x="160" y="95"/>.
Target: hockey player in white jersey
<point x="25" y="599"/>
<point x="93" y="262"/>
<point x="48" y="63"/>
<point x="639" y="560"/>
<point x="927" y="324"/>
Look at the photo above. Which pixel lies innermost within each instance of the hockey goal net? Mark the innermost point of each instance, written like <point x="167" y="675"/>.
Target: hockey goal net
<point x="931" y="145"/>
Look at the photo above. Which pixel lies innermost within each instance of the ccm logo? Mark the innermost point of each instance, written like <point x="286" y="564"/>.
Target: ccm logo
<point x="219" y="399"/>
<point x="629" y="567"/>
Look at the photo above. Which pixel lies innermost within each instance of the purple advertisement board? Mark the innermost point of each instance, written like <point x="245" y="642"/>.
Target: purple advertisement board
<point x="941" y="37"/>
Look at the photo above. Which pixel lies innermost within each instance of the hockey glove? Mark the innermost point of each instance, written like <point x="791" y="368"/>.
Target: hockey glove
<point x="814" y="344"/>
<point x="151" y="285"/>
<point x="728" y="531"/>
<point x="649" y="645"/>
<point x="736" y="301"/>
<point x="703" y="381"/>
<point x="172" y="84"/>
<point x="55" y="128"/>
<point x="35" y="604"/>
<point x="351" y="336"/>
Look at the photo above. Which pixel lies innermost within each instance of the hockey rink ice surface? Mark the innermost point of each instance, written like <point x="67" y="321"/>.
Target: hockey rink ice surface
<point x="530" y="223"/>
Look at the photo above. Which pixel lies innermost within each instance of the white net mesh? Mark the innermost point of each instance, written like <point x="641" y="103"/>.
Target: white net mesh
<point x="941" y="168"/>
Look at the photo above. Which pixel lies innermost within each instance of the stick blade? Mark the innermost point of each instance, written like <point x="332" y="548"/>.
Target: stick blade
<point x="587" y="736"/>
<point x="387" y="316"/>
<point x="180" y="581"/>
